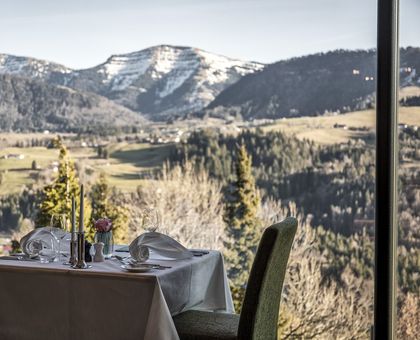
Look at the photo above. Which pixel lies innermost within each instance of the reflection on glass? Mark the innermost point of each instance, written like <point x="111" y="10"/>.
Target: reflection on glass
<point x="409" y="194"/>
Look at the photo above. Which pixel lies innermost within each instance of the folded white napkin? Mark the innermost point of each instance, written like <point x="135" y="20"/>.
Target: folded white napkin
<point x="155" y="244"/>
<point x="44" y="238"/>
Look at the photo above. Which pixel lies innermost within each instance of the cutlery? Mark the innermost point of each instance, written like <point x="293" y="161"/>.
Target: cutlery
<point x="199" y="252"/>
<point x="18" y="258"/>
<point x="119" y="258"/>
<point x="125" y="260"/>
<point x="159" y="266"/>
<point x="123" y="250"/>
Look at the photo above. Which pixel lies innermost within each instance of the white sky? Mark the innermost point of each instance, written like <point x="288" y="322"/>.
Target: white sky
<point x="84" y="33"/>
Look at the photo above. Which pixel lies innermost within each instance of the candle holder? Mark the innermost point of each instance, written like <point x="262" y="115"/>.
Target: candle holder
<point x="81" y="263"/>
<point x="73" y="249"/>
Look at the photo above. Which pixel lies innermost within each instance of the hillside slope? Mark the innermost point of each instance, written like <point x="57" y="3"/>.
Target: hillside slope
<point x="27" y="104"/>
<point x="338" y="81"/>
<point x="161" y="82"/>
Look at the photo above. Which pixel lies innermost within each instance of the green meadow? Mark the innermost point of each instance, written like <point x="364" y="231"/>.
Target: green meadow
<point x="125" y="167"/>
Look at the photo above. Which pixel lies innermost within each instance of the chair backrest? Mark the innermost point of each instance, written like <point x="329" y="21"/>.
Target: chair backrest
<point x="260" y="310"/>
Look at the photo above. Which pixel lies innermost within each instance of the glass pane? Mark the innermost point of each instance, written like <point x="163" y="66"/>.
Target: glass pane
<point x="214" y="120"/>
<point x="409" y="174"/>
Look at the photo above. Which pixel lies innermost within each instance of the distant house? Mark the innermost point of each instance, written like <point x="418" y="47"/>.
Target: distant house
<point x="14" y="156"/>
<point x="406" y="69"/>
<point x="340" y="126"/>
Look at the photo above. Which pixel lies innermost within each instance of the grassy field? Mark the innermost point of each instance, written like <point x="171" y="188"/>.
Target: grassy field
<point x="125" y="167"/>
<point x="129" y="163"/>
<point x="322" y="130"/>
<point x="409" y="91"/>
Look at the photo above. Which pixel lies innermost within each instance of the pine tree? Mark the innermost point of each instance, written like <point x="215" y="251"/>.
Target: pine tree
<point x="56" y="197"/>
<point x="103" y="207"/>
<point x="243" y="225"/>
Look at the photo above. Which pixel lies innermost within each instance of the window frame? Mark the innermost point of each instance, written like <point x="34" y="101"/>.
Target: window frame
<point x="386" y="226"/>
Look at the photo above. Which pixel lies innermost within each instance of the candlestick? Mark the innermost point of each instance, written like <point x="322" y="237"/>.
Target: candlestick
<point x="81" y="263"/>
<point x="73" y="240"/>
<point x="73" y="252"/>
<point x="73" y="215"/>
<point x="81" y="216"/>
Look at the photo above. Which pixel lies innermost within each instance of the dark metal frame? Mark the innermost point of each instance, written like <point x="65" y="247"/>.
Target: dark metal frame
<point x="386" y="170"/>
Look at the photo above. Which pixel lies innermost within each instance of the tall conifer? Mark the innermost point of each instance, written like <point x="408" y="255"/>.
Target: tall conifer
<point x="243" y="225"/>
<point x="103" y="207"/>
<point x="56" y="197"/>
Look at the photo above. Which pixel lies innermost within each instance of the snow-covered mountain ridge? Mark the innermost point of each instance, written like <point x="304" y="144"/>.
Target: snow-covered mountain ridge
<point x="161" y="82"/>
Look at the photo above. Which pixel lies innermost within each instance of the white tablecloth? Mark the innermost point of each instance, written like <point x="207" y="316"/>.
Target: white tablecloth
<point x="52" y="301"/>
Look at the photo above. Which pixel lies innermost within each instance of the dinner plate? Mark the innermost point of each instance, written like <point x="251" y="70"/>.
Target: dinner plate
<point x="138" y="268"/>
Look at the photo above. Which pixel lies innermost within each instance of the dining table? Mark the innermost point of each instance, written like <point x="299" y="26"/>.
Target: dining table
<point x="54" y="301"/>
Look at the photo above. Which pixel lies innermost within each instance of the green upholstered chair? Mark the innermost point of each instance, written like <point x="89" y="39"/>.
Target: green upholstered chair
<point x="260" y="310"/>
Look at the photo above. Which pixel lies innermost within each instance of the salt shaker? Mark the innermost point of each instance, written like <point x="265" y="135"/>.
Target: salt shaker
<point x="99" y="255"/>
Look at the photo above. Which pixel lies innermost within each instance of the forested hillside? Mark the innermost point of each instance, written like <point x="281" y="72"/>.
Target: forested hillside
<point x="334" y="184"/>
<point x="32" y="105"/>
<point x="336" y="81"/>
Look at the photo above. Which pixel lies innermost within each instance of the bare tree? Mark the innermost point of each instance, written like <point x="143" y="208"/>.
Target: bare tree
<point x="409" y="317"/>
<point x="182" y="202"/>
<point x="312" y="307"/>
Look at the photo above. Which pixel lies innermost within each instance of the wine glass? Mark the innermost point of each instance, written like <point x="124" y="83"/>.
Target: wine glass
<point x="61" y="222"/>
<point x="45" y="246"/>
<point x="49" y="252"/>
<point x="151" y="220"/>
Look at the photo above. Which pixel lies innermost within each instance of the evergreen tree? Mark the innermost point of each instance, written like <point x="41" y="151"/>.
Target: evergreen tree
<point x="99" y="151"/>
<point x="243" y="225"/>
<point x="102" y="207"/>
<point x="56" y="197"/>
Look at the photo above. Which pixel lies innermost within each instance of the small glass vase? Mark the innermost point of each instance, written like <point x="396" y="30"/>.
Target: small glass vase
<point x="107" y="239"/>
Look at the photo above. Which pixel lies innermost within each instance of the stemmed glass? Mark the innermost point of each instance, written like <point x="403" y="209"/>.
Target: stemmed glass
<point x="151" y="220"/>
<point x="60" y="221"/>
<point x="48" y="252"/>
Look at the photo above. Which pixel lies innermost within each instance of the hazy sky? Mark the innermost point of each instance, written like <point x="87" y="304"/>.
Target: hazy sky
<point x="83" y="33"/>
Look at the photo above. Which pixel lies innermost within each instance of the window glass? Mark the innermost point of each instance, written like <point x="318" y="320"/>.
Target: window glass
<point x="209" y="121"/>
<point x="409" y="175"/>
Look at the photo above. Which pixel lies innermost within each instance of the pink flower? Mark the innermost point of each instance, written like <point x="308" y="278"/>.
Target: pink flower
<point x="103" y="225"/>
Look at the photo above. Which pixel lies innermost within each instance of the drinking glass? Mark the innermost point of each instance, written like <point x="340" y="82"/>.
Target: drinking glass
<point x="151" y="220"/>
<point x="48" y="248"/>
<point x="60" y="221"/>
<point x="47" y="255"/>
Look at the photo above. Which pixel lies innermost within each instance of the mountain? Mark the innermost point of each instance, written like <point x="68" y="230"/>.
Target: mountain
<point x="27" y="104"/>
<point x="166" y="82"/>
<point x="33" y="68"/>
<point x="161" y="82"/>
<point x="310" y="85"/>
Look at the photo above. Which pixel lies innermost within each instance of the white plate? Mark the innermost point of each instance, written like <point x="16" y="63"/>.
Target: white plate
<point x="138" y="268"/>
